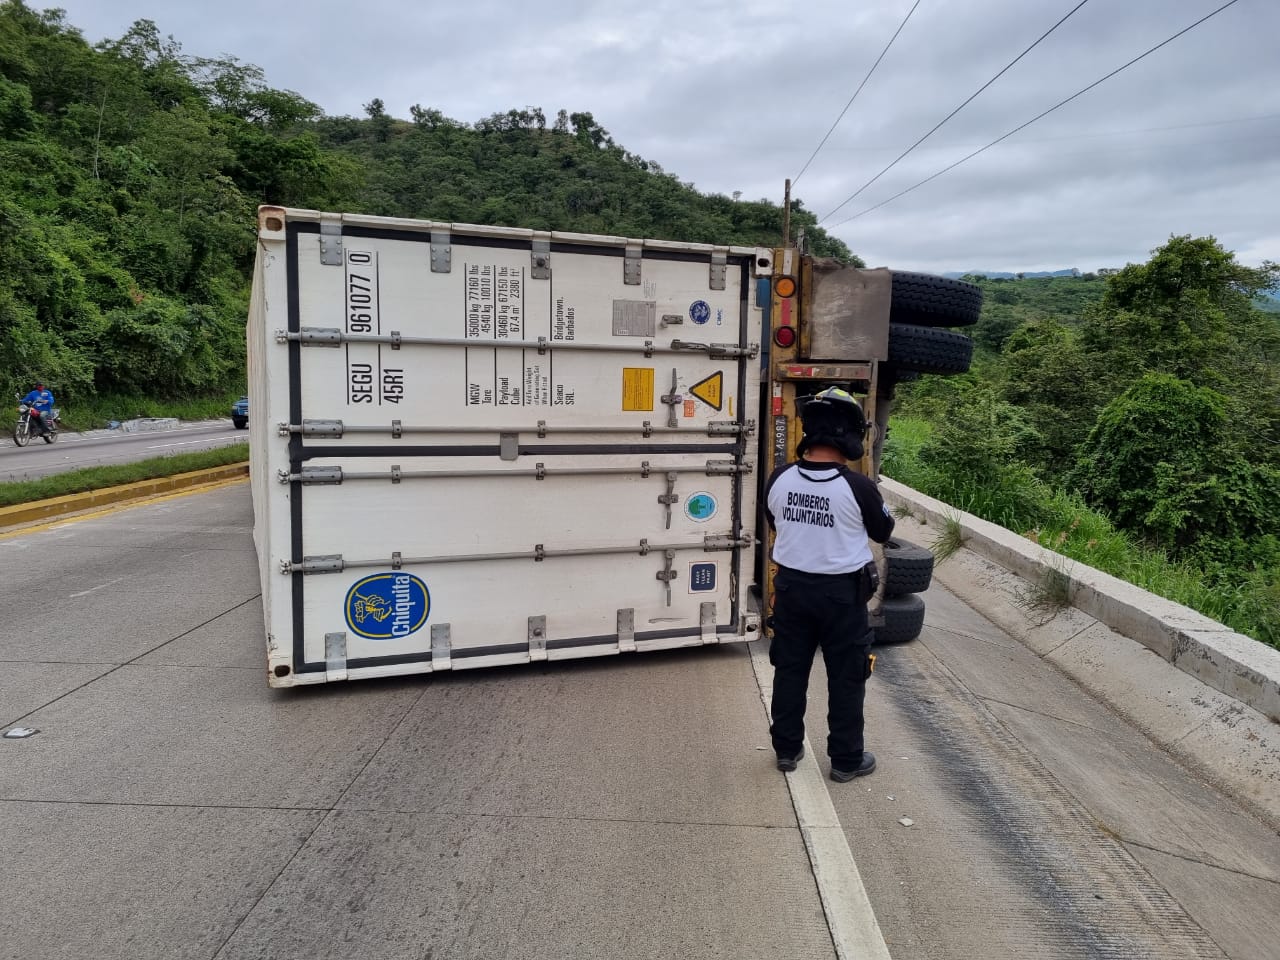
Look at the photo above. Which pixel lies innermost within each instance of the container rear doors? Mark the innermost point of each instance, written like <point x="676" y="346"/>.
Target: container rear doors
<point x="491" y="446"/>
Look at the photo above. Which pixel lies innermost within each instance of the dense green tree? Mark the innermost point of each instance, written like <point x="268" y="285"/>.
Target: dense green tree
<point x="1154" y="394"/>
<point x="983" y="441"/>
<point x="1047" y="375"/>
<point x="1182" y="312"/>
<point x="1159" y="460"/>
<point x="1189" y="312"/>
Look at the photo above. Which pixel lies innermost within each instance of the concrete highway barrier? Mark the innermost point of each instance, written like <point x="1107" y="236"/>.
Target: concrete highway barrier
<point x="1233" y="664"/>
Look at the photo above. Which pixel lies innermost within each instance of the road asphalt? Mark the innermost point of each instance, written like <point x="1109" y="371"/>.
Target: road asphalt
<point x="172" y="805"/>
<point x="72" y="451"/>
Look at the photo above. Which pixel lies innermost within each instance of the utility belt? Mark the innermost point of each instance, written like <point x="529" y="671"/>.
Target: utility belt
<point x="866" y="578"/>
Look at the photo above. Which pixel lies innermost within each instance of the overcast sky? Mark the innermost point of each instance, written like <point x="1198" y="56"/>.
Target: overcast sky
<point x="733" y="95"/>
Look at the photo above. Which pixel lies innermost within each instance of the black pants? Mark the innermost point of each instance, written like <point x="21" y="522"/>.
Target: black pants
<point x="814" y="610"/>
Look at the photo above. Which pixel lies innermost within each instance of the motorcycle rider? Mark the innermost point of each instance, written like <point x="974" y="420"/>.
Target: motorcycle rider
<point x="40" y="401"/>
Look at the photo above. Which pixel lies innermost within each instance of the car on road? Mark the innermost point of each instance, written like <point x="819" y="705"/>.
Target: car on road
<point x="240" y="413"/>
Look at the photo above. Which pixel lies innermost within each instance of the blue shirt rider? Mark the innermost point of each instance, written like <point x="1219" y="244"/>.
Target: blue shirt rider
<point x="40" y="400"/>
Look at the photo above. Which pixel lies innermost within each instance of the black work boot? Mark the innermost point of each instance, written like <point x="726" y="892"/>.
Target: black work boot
<point x="866" y="766"/>
<point x="787" y="764"/>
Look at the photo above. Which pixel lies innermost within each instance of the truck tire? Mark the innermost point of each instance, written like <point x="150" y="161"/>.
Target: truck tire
<point x="903" y="619"/>
<point x="908" y="568"/>
<point x="928" y="350"/>
<point x="929" y="301"/>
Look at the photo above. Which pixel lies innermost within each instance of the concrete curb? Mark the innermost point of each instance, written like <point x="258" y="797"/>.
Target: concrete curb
<point x="74" y="503"/>
<point x="1233" y="664"/>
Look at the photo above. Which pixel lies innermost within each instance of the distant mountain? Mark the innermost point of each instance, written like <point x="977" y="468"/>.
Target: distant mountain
<point x="1006" y="275"/>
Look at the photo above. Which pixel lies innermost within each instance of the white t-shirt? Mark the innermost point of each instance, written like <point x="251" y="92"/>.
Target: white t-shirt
<point x="824" y="515"/>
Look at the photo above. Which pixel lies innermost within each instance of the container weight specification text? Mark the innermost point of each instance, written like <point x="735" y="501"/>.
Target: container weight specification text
<point x="494" y="310"/>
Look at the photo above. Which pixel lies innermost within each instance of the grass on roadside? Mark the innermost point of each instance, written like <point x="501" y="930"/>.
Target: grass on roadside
<point x="949" y="540"/>
<point x="98" y="411"/>
<point x="1248" y="602"/>
<point x="96" y="478"/>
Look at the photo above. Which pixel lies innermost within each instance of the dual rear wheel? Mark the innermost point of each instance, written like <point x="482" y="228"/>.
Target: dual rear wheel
<point x="922" y="309"/>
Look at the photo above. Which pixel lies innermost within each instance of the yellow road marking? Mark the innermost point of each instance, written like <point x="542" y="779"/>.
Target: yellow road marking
<point x="121" y="506"/>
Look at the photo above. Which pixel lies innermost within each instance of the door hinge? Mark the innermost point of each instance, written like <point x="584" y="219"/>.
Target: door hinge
<point x="722" y="542"/>
<point x="707" y="621"/>
<point x="718" y="351"/>
<point x="537" y="638"/>
<point x="631" y="265"/>
<point x="627" y="630"/>
<point x="331" y="242"/>
<point x="540" y="260"/>
<point x="441" y="251"/>
<point x="441" y="647"/>
<point x="327" y="564"/>
<point x="314" y="475"/>
<point x="335" y="656"/>
<point x="327" y="429"/>
<point x="316" y="336"/>
<point x="719" y="268"/>
<point x="727" y="468"/>
<point x="725" y="428"/>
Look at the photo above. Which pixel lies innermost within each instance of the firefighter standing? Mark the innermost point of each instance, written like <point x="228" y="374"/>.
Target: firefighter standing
<point x="824" y="516"/>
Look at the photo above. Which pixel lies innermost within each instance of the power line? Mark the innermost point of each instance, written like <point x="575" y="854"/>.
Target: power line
<point x="1061" y="103"/>
<point x="1093" y="135"/>
<point x="1136" y="130"/>
<point x="1039" y="116"/>
<point x="956" y="110"/>
<point x="796" y="178"/>
<point x="747" y="144"/>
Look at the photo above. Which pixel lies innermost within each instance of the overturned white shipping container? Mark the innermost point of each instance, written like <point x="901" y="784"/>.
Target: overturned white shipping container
<point x="475" y="446"/>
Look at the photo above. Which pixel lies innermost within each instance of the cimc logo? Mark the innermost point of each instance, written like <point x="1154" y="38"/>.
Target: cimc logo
<point x="387" y="606"/>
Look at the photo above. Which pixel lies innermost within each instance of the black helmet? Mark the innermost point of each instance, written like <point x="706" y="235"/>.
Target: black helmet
<point x="832" y="418"/>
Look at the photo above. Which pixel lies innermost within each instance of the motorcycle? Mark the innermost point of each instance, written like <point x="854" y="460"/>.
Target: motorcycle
<point x="29" y="424"/>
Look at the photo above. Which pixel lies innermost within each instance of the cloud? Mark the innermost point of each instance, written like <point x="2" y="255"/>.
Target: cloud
<point x="733" y="95"/>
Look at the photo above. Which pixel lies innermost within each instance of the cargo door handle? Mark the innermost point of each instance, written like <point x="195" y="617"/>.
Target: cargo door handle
<point x="672" y="400"/>
<point x="666" y="574"/>
<point x="670" y="497"/>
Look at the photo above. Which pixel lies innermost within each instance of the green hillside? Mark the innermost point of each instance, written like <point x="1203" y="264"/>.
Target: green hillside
<point x="1008" y="304"/>
<point x="130" y="173"/>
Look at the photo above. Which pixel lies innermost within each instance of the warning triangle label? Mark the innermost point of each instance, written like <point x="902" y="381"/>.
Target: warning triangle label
<point x="711" y="390"/>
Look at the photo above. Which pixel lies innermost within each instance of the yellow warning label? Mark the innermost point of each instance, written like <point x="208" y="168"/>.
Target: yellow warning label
<point x="710" y="391"/>
<point x="637" y="388"/>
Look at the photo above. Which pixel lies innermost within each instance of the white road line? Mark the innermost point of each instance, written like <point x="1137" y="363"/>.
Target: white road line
<point x="184" y="443"/>
<point x="855" y="932"/>
<point x="101" y="586"/>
